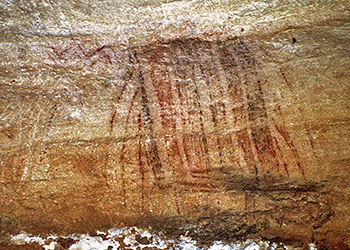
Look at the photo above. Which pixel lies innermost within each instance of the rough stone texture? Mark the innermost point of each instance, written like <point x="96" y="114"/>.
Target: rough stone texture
<point x="216" y="119"/>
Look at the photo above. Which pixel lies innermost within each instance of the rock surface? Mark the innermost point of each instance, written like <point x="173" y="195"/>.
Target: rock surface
<point x="214" y="119"/>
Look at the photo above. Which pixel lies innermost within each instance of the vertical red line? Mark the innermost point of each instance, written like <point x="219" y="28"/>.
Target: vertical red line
<point x="111" y="125"/>
<point x="281" y="155"/>
<point x="307" y="130"/>
<point x="123" y="175"/>
<point x="185" y="157"/>
<point x="123" y="149"/>
<point x="141" y="167"/>
<point x="291" y="146"/>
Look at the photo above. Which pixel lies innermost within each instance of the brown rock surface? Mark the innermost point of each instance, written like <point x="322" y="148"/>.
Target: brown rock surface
<point x="216" y="119"/>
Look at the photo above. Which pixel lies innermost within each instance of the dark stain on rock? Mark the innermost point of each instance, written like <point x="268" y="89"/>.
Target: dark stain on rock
<point x="65" y="242"/>
<point x="215" y="224"/>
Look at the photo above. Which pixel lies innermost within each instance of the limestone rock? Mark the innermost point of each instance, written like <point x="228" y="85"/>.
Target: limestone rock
<point x="217" y="119"/>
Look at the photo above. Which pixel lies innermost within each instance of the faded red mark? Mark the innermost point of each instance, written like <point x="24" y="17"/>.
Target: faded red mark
<point x="112" y="121"/>
<point x="114" y="114"/>
<point x="122" y="158"/>
<point x="281" y="155"/>
<point x="284" y="78"/>
<point x="309" y="136"/>
<point x="248" y="155"/>
<point x="84" y="55"/>
<point x="141" y="165"/>
<point x="291" y="146"/>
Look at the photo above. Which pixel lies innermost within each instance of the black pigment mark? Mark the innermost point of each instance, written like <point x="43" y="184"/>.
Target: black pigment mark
<point x="152" y="151"/>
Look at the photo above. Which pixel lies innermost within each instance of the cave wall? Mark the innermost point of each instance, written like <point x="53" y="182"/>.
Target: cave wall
<point x="223" y="120"/>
